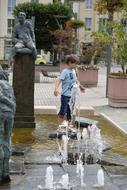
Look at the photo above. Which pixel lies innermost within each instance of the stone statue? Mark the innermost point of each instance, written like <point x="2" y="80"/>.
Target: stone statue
<point x="23" y="37"/>
<point x="7" y="111"/>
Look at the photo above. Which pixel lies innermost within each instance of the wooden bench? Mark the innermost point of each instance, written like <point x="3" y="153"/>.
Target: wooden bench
<point x="48" y="75"/>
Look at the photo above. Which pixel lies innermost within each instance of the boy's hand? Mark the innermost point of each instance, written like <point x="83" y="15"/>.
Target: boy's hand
<point x="56" y="92"/>
<point x="82" y="88"/>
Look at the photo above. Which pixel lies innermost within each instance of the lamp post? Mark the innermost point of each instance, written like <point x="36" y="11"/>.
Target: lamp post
<point x="109" y="53"/>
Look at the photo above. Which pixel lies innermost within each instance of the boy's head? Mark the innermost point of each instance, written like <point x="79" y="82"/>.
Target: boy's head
<point x="72" y="59"/>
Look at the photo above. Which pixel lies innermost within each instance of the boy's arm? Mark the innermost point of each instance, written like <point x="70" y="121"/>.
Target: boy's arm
<point x="57" y="84"/>
<point x="82" y="88"/>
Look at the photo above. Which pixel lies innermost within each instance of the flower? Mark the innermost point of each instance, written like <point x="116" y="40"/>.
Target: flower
<point x="85" y="67"/>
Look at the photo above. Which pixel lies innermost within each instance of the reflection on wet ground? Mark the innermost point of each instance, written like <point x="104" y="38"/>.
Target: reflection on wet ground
<point x="47" y="124"/>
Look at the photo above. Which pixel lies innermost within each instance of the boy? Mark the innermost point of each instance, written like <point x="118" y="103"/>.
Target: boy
<point x="68" y="79"/>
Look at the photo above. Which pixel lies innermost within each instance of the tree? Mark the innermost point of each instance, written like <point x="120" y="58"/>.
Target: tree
<point x="109" y="7"/>
<point x="65" y="39"/>
<point x="45" y="20"/>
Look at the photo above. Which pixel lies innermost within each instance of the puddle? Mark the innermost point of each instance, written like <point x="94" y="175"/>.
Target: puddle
<point x="47" y="124"/>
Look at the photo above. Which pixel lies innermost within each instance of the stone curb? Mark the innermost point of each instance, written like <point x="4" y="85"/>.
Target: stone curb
<point x="52" y="110"/>
<point x="87" y="110"/>
<point x="45" y="110"/>
<point x="113" y="123"/>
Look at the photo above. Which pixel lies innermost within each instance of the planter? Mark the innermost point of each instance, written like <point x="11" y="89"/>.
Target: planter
<point x="88" y="77"/>
<point x="117" y="91"/>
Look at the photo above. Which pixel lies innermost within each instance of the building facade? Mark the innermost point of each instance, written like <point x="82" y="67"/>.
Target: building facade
<point x="83" y="10"/>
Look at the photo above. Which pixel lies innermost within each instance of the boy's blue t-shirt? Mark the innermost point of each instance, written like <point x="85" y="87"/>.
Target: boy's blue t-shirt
<point x="68" y="78"/>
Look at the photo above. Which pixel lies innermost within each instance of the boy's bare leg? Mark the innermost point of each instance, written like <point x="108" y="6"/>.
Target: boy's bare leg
<point x="60" y="120"/>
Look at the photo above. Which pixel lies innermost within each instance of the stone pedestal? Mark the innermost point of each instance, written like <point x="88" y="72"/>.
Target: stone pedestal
<point x="37" y="77"/>
<point x="23" y="84"/>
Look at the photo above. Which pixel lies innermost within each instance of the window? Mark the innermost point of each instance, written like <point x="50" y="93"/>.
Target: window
<point x="88" y="23"/>
<point x="124" y="23"/>
<point x="10" y="25"/>
<point x="11" y="5"/>
<point x="103" y="23"/>
<point x="88" y="4"/>
<point x="8" y="48"/>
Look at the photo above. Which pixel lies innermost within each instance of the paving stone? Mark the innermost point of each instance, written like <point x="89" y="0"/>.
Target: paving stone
<point x="110" y="158"/>
<point x="19" y="150"/>
<point x="41" y="156"/>
<point x="17" y="165"/>
<point x="89" y="111"/>
<point x="84" y="122"/>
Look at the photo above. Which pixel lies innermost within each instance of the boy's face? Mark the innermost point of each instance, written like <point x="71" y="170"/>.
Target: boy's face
<point x="72" y="65"/>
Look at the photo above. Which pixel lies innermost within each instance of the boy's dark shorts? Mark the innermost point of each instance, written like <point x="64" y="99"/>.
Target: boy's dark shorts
<point x="64" y="106"/>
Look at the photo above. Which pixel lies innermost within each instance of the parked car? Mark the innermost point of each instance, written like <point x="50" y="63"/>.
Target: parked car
<point x="40" y="60"/>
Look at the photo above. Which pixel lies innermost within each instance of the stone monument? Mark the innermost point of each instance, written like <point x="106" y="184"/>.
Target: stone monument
<point x="7" y="111"/>
<point x="24" y="55"/>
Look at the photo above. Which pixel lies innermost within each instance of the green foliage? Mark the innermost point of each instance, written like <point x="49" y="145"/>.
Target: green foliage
<point x="85" y="67"/>
<point x="103" y="37"/>
<point x="119" y="74"/>
<point x="117" y="40"/>
<point x="48" y="17"/>
<point x="116" y="36"/>
<point x="120" y="42"/>
<point x="104" y="6"/>
<point x="77" y="23"/>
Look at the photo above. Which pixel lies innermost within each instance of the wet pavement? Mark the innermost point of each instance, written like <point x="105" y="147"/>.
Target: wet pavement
<point x="93" y="97"/>
<point x="29" y="170"/>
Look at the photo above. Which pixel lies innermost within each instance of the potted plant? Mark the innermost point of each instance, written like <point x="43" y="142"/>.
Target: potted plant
<point x="117" y="83"/>
<point x="117" y="40"/>
<point x="88" y="75"/>
<point x="88" y="69"/>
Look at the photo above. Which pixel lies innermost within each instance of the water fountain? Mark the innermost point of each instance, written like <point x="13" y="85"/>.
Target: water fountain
<point x="49" y="178"/>
<point x="39" y="187"/>
<point x="65" y="181"/>
<point x="80" y="171"/>
<point x="89" y="145"/>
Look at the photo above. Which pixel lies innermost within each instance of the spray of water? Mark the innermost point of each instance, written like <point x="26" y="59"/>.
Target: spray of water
<point x="80" y="171"/>
<point x="65" y="149"/>
<point x="49" y="178"/>
<point x="65" y="181"/>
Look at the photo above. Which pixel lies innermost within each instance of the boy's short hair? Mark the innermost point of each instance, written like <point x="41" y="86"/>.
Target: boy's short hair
<point x="72" y="58"/>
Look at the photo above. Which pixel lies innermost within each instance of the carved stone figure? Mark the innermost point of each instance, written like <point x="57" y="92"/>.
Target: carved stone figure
<point x="23" y="37"/>
<point x="7" y="111"/>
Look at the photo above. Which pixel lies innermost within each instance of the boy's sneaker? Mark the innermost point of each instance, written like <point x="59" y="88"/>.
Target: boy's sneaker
<point x="64" y="124"/>
<point x="71" y="129"/>
<point x="60" y="130"/>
